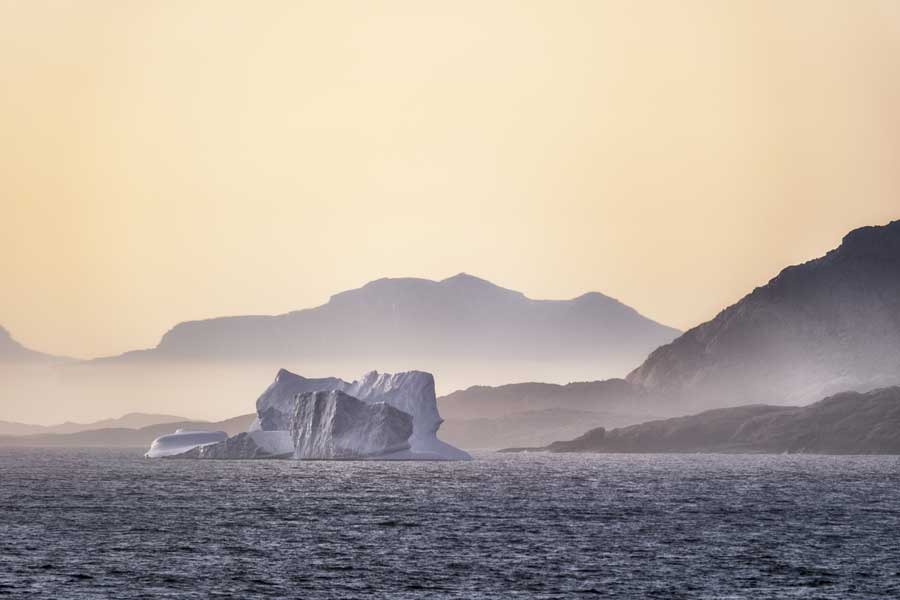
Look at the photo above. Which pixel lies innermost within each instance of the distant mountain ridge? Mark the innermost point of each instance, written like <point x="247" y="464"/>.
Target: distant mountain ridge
<point x="463" y="329"/>
<point x="481" y="401"/>
<point x="124" y="436"/>
<point x="826" y="326"/>
<point x="462" y="316"/>
<point x="539" y="413"/>
<point x="129" y="421"/>
<point x="847" y="423"/>
<point x="12" y="351"/>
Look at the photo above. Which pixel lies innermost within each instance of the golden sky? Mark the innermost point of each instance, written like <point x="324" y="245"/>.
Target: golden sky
<point x="166" y="160"/>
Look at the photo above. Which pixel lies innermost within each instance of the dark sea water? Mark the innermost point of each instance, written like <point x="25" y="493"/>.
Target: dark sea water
<point x="110" y="524"/>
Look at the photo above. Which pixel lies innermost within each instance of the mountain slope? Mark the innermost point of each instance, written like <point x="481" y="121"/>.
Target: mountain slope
<point x="129" y="421"/>
<point x="539" y="413"/>
<point x="489" y="402"/>
<point x="125" y="437"/>
<point x="461" y="317"/>
<point x="847" y="423"/>
<point x="829" y="325"/>
<point x="13" y="352"/>
<point x="13" y="428"/>
<point x="530" y="428"/>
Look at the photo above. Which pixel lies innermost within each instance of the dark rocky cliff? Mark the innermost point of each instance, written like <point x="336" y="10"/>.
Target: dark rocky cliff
<point x="826" y="326"/>
<point x="847" y="423"/>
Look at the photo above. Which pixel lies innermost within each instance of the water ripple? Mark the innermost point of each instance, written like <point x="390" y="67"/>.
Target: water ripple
<point x="82" y="524"/>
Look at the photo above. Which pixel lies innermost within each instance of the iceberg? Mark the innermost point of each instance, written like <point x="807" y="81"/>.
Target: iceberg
<point x="379" y="416"/>
<point x="250" y="445"/>
<point x="333" y="425"/>
<point x="273" y="408"/>
<point x="183" y="441"/>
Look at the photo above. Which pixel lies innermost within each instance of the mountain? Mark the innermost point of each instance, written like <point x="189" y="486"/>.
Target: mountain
<point x="463" y="329"/>
<point x="538" y="413"/>
<point x="129" y="421"/>
<point x="13" y="352"/>
<point x="530" y="428"/>
<point x="481" y="401"/>
<point x="125" y="437"/>
<point x="829" y="325"/>
<point x="847" y="423"/>
<point x="12" y="428"/>
<point x="462" y="317"/>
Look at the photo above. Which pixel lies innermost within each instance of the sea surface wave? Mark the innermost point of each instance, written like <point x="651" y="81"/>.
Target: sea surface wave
<point x="99" y="523"/>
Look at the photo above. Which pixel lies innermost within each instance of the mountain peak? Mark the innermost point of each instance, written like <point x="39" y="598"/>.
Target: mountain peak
<point x="466" y="279"/>
<point x="874" y="241"/>
<point x="471" y="285"/>
<point x="595" y="298"/>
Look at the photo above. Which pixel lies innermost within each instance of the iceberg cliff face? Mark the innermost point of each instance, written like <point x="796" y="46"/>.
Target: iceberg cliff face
<point x="333" y="425"/>
<point x="273" y="408"/>
<point x="329" y="418"/>
<point x="413" y="393"/>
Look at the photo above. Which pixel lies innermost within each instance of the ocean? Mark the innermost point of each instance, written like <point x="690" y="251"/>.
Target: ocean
<point x="101" y="523"/>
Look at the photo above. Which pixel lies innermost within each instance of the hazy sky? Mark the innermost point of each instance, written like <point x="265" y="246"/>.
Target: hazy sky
<point x="164" y="161"/>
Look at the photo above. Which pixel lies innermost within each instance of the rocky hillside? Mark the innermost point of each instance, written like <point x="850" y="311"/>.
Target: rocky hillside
<point x="829" y="325"/>
<point x="482" y="401"/>
<point x="531" y="428"/>
<point x="847" y="423"/>
<point x="539" y="413"/>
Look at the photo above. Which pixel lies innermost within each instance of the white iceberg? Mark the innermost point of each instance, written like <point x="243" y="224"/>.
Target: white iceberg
<point x="411" y="392"/>
<point x="379" y="416"/>
<point x="274" y="406"/>
<point x="333" y="425"/>
<point x="183" y="441"/>
<point x="247" y="445"/>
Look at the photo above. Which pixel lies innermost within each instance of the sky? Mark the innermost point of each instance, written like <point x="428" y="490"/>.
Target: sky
<point x="165" y="161"/>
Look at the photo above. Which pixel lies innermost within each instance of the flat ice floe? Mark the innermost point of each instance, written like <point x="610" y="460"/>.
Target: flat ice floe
<point x="182" y="441"/>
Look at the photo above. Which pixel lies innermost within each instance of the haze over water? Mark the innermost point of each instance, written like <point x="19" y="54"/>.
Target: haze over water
<point x="257" y="257"/>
